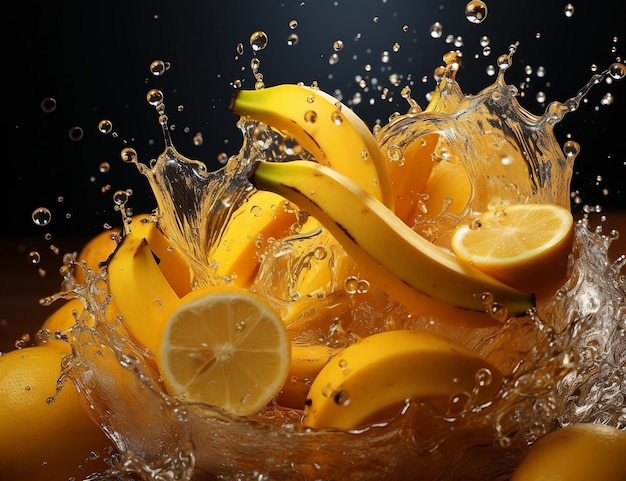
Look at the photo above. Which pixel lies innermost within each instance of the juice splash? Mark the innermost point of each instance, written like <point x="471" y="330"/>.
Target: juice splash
<point x="565" y="363"/>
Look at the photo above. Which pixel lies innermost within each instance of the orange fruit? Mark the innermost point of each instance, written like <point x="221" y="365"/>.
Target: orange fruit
<point x="41" y="440"/>
<point x="526" y="246"/>
<point x="224" y="346"/>
<point x="578" y="452"/>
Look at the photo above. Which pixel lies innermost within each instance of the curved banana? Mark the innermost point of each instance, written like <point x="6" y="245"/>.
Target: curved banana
<point x="325" y="127"/>
<point x="578" y="452"/>
<point x="306" y="363"/>
<point x="426" y="279"/>
<point x="371" y="380"/>
<point x="140" y="291"/>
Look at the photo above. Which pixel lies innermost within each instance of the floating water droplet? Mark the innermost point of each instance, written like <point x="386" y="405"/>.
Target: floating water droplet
<point x="541" y="97"/>
<point x="336" y="117"/>
<point x="292" y="39"/>
<point x="129" y="155"/>
<point x="476" y="11"/>
<point x="121" y="196"/>
<point x="41" y="216"/>
<point x="105" y="126"/>
<point x="154" y="97"/>
<point x="104" y="167"/>
<point x="258" y="40"/>
<point x="75" y="133"/>
<point x="436" y="30"/>
<point x="48" y="105"/>
<point x="396" y="47"/>
<point x="607" y="99"/>
<point x="351" y="285"/>
<point x="484" y="41"/>
<point x="333" y="59"/>
<point x="617" y="71"/>
<point x="34" y="257"/>
<point x="571" y="148"/>
<point x="239" y="48"/>
<point x="159" y="67"/>
<point x="198" y="140"/>
<point x="293" y="24"/>
<point x="569" y="10"/>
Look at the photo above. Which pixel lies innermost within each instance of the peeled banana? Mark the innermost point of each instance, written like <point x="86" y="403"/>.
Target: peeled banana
<point x="371" y="380"/>
<point x="426" y="279"/>
<point x="325" y="127"/>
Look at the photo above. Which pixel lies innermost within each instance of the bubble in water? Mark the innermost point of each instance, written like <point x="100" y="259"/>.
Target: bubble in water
<point x="105" y="126"/>
<point x="476" y="11"/>
<point x="41" y="216"/>
<point x="258" y="40"/>
<point x="34" y="257"/>
<point x="569" y="10"/>
<point x="292" y="39"/>
<point x="75" y="133"/>
<point x="436" y="30"/>
<point x="159" y="67"/>
<point x="337" y="45"/>
<point x="48" y="105"/>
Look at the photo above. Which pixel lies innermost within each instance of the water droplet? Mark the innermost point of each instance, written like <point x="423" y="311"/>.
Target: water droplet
<point x="104" y="167"/>
<point x="384" y="57"/>
<point x="351" y="285"/>
<point x="310" y="116"/>
<point x="484" y="377"/>
<point x="121" y="196"/>
<point x="41" y="216"/>
<point x="396" y="47"/>
<point x="617" y="71"/>
<point x="436" y="30"/>
<point x="476" y="11"/>
<point x="342" y="398"/>
<point x="292" y="39"/>
<point x="105" y="126"/>
<point x="75" y="133"/>
<point x="541" y="71"/>
<point x="484" y="41"/>
<point x="571" y="148"/>
<point x="333" y="59"/>
<point x="336" y="117"/>
<point x="154" y="97"/>
<point x="129" y="155"/>
<point x="258" y="40"/>
<point x="48" y="105"/>
<point x="198" y="140"/>
<point x="320" y="253"/>
<point x="541" y="97"/>
<point x="607" y="99"/>
<point x="337" y="45"/>
<point x="34" y="257"/>
<point x="569" y="10"/>
<point x="159" y="67"/>
<point x="293" y="24"/>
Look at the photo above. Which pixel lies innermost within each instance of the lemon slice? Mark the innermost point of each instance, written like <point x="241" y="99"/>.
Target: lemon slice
<point x="526" y="246"/>
<point x="224" y="346"/>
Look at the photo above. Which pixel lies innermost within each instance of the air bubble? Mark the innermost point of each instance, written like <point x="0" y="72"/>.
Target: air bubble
<point x="41" y="216"/>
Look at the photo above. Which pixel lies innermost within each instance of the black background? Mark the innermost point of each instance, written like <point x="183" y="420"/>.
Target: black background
<point x="93" y="58"/>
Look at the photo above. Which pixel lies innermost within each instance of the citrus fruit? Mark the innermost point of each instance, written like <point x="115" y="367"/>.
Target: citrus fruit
<point x="526" y="246"/>
<point x="448" y="189"/>
<point x="41" y="440"/>
<point x="578" y="452"/>
<point x="224" y="346"/>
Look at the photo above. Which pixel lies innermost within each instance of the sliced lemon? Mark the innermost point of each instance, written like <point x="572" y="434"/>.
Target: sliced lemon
<point x="224" y="346"/>
<point x="526" y="246"/>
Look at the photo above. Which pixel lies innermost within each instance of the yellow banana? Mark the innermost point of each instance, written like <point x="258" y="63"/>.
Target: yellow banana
<point x="237" y="256"/>
<point x="306" y="363"/>
<point x="578" y="452"/>
<point x="426" y="279"/>
<point x="371" y="380"/>
<point x="325" y="127"/>
<point x="140" y="291"/>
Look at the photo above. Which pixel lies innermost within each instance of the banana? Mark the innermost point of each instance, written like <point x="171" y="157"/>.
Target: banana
<point x="140" y="291"/>
<point x="426" y="279"/>
<point x="325" y="127"/>
<point x="247" y="235"/>
<point x="306" y="363"/>
<point x="578" y="452"/>
<point x="370" y="381"/>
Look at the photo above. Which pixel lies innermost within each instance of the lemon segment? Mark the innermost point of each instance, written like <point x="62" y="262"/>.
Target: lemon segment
<point x="224" y="346"/>
<point x="526" y="246"/>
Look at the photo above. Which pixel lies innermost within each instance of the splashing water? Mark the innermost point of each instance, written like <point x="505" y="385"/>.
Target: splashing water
<point x="566" y="361"/>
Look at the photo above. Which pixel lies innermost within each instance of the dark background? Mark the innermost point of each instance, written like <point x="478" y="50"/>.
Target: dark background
<point x="93" y="58"/>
